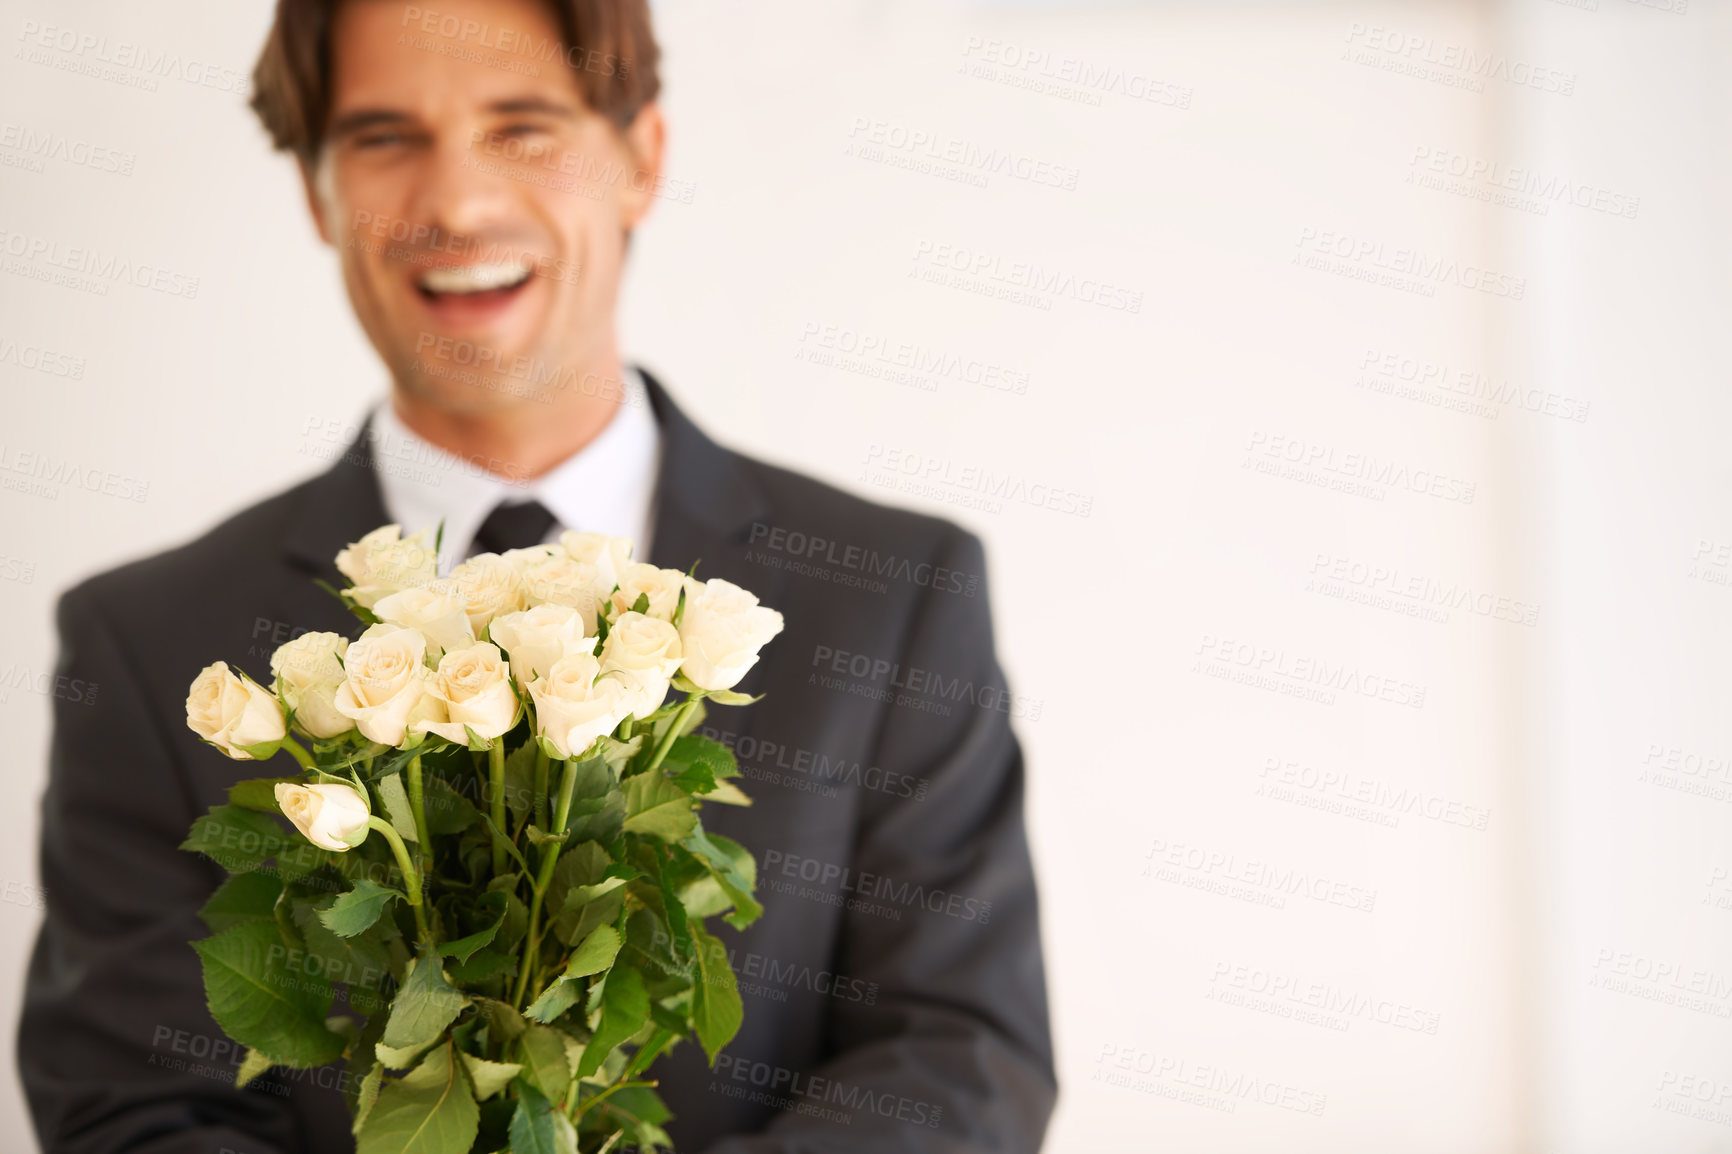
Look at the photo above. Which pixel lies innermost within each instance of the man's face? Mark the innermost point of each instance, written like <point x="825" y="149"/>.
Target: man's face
<point x="479" y="207"/>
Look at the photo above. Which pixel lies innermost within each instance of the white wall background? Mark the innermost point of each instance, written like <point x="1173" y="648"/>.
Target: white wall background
<point x="1570" y="963"/>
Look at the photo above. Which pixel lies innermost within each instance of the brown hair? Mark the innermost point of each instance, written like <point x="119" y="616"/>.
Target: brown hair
<point x="609" y="44"/>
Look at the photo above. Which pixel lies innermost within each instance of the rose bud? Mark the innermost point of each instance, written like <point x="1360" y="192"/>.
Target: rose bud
<point x="237" y="715"/>
<point x="331" y="816"/>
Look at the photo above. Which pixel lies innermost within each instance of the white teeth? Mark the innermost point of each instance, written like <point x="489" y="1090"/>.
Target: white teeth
<point x="475" y="278"/>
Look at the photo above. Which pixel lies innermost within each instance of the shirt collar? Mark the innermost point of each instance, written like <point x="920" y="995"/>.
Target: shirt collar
<point x="608" y="486"/>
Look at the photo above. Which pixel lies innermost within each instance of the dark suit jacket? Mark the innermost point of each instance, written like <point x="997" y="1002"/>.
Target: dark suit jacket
<point x="894" y="988"/>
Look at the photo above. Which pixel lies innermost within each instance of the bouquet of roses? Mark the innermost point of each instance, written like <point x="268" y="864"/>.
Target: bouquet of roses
<point x="498" y="858"/>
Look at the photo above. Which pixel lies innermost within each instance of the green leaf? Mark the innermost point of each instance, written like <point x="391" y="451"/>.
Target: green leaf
<point x="624" y="1009"/>
<point x="516" y="926"/>
<point x="598" y="806"/>
<point x="395" y="799"/>
<point x="399" y="1057"/>
<point x="481" y="966"/>
<point x="489" y="1077"/>
<point x="727" y="793"/>
<point x="251" y="1067"/>
<point x="367" y="1096"/>
<point x="573" y="1051"/>
<point x="698" y="763"/>
<point x="427" y="1111"/>
<point x="695" y="778"/>
<point x="491" y="907"/>
<point x="520" y="780"/>
<point x="582" y="864"/>
<point x="237" y="839"/>
<point x="356" y="911"/>
<point x="734" y="870"/>
<point x="544" y="1066"/>
<point x="592" y="957"/>
<point x="259" y="793"/>
<point x="649" y="950"/>
<point x="447" y="810"/>
<point x="716" y="1009"/>
<point x="537" y="1128"/>
<point x="559" y="997"/>
<point x="729" y="697"/>
<point x="616" y="752"/>
<point x="675" y="1022"/>
<point x="510" y="846"/>
<point x="573" y="926"/>
<point x="658" y="808"/>
<point x="595" y="954"/>
<point x="242" y="898"/>
<point x="578" y="894"/>
<point x="261" y="1002"/>
<point x="504" y="1023"/>
<point x="424" y="1006"/>
<point x="362" y="963"/>
<point x="675" y="914"/>
<point x="298" y="859"/>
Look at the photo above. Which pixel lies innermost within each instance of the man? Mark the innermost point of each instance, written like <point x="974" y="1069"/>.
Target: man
<point x="894" y="988"/>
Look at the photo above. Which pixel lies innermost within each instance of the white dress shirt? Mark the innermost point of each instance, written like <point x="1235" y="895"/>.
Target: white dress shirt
<point x="606" y="487"/>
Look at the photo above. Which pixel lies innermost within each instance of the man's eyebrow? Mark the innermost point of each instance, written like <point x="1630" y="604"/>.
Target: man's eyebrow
<point x="533" y="104"/>
<point x="364" y="118"/>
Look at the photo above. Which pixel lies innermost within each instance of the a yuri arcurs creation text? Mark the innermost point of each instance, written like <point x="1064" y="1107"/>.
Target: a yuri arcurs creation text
<point x="497" y="856"/>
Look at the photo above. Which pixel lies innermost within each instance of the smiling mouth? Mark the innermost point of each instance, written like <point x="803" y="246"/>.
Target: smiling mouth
<point x="477" y="282"/>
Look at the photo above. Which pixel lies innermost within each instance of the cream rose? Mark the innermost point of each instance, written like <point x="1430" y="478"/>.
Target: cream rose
<point x="574" y="706"/>
<point x="490" y="586"/>
<point x="438" y="610"/>
<point x="331" y="816"/>
<point x="472" y="687"/>
<point x="384" y="561"/>
<point x="562" y="579"/>
<point x="722" y="629"/>
<point x="307" y="672"/>
<point x="383" y="678"/>
<point x="609" y="555"/>
<point x="233" y="713"/>
<point x="522" y="558"/>
<point x="536" y="638"/>
<point x="643" y="652"/>
<point x="661" y="586"/>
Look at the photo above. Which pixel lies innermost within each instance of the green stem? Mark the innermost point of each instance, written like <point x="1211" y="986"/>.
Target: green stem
<point x="603" y="1096"/>
<point x="540" y="786"/>
<point x="544" y="876"/>
<point x="301" y="755"/>
<point x="675" y="724"/>
<point x="411" y="875"/>
<point x="418" y="805"/>
<point x="496" y="800"/>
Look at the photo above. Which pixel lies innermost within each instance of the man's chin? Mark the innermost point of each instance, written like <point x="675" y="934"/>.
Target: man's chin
<point x="467" y="390"/>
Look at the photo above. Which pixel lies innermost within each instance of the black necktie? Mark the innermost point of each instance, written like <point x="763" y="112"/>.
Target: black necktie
<point x="515" y="526"/>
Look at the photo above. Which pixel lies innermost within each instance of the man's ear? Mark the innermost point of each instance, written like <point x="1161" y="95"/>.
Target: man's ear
<point x="309" y="185"/>
<point x="646" y="140"/>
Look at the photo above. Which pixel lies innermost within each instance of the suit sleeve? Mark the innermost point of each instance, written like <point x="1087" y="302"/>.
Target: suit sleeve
<point x="116" y="1049"/>
<point x="956" y="1053"/>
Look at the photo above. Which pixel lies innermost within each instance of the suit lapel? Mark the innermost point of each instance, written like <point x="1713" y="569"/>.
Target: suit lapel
<point x="338" y="507"/>
<point x="706" y="503"/>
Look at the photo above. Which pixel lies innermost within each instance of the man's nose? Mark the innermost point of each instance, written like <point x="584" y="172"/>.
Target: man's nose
<point x="460" y="192"/>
